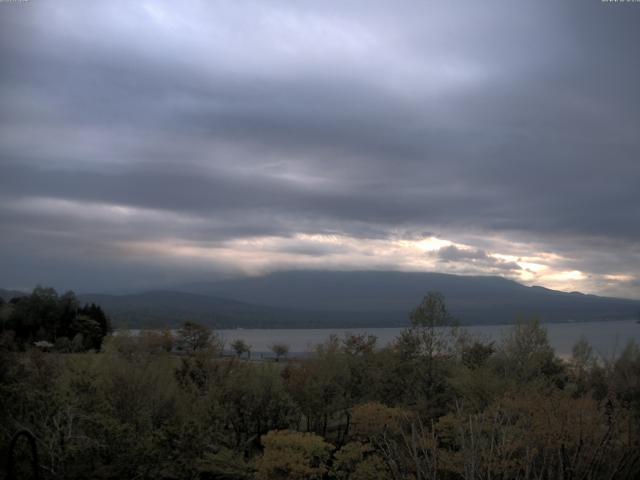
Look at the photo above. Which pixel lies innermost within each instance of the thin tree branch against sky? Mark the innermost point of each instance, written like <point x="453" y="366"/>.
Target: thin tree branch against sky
<point x="149" y="143"/>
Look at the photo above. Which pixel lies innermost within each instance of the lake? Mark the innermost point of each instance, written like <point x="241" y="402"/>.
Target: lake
<point x="607" y="338"/>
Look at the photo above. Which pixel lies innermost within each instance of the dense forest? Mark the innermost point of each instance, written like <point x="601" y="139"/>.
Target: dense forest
<point x="51" y="321"/>
<point x="435" y="404"/>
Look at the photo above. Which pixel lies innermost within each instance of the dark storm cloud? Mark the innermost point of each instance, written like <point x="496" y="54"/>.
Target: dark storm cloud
<point x="229" y="121"/>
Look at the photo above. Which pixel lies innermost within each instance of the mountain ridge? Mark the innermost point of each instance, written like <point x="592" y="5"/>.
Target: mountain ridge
<point x="314" y="299"/>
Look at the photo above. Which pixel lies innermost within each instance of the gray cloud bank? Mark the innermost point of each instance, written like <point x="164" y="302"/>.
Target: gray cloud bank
<point x="505" y="127"/>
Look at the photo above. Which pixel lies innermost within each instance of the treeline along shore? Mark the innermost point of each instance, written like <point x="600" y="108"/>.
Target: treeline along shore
<point x="436" y="403"/>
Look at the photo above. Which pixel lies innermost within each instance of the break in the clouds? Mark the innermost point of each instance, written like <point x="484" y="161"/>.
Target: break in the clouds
<point x="145" y="143"/>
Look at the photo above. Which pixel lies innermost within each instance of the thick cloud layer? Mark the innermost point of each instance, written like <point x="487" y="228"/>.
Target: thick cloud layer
<point x="147" y="143"/>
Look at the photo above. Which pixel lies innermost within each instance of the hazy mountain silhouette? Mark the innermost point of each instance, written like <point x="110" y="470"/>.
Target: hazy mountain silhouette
<point x="7" y="295"/>
<point x="170" y="308"/>
<point x="350" y="299"/>
<point x="389" y="296"/>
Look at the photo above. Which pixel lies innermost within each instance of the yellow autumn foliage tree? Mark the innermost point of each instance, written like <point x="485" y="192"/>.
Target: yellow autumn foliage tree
<point x="293" y="455"/>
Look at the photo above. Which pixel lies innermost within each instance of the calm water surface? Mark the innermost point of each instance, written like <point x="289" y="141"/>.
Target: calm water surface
<point x="607" y="338"/>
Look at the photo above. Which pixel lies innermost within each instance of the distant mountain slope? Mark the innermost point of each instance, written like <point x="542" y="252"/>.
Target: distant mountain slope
<point x="171" y="308"/>
<point x="158" y="308"/>
<point x="306" y="299"/>
<point x="388" y="296"/>
<point x="7" y="295"/>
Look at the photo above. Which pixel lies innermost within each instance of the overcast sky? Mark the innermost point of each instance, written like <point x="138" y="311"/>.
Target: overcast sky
<point x="144" y="144"/>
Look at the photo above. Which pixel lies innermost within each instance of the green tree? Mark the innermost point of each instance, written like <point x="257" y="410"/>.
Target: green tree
<point x="420" y="356"/>
<point x="193" y="337"/>
<point x="90" y="331"/>
<point x="320" y="385"/>
<point x="526" y="354"/>
<point x="46" y="316"/>
<point x="280" y="350"/>
<point x="359" y="344"/>
<point x="432" y="312"/>
<point x="475" y="354"/>
<point x="253" y="400"/>
<point x="433" y="325"/>
<point x="240" y="347"/>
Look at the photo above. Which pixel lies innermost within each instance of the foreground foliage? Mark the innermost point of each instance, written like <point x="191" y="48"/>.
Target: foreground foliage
<point x="436" y="404"/>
